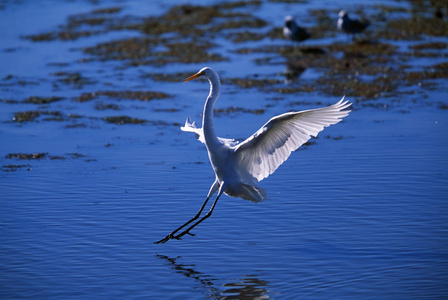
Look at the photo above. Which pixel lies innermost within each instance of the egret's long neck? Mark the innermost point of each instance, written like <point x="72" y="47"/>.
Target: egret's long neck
<point x="207" y="117"/>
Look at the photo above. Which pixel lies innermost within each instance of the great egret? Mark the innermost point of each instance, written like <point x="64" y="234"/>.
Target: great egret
<point x="293" y="31"/>
<point x="350" y="26"/>
<point x="240" y="166"/>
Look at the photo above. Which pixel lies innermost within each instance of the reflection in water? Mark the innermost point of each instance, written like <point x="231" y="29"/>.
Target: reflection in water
<point x="250" y="287"/>
<point x="190" y="272"/>
<point x="293" y="70"/>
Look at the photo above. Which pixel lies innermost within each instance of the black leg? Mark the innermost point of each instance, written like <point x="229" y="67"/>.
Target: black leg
<point x="200" y="221"/>
<point x="171" y="235"/>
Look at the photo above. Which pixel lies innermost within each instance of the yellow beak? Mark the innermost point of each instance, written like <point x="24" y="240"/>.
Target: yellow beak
<point x="199" y="74"/>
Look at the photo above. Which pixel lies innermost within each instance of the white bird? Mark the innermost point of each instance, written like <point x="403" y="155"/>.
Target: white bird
<point x="350" y="26"/>
<point x="293" y="31"/>
<point x="239" y="167"/>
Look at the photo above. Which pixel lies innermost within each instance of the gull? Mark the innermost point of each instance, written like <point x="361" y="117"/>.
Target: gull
<point x="350" y="26"/>
<point x="293" y="31"/>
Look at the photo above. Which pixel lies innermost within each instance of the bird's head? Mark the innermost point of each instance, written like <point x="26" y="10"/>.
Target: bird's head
<point x="289" y="21"/>
<point x="204" y="71"/>
<point x="343" y="14"/>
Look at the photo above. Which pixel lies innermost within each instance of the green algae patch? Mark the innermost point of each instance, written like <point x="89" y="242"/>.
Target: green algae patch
<point x="197" y="20"/>
<point x="13" y="167"/>
<point x="252" y="82"/>
<point x="42" y="100"/>
<point x="140" y="51"/>
<point x="26" y="156"/>
<point x="32" y="115"/>
<point x="413" y="28"/>
<point x="368" y="66"/>
<point x="121" y="120"/>
<point x="36" y="156"/>
<point x="234" y="109"/>
<point x="124" y="95"/>
<point x="136" y="48"/>
<point x="75" y="79"/>
<point x="83" y="25"/>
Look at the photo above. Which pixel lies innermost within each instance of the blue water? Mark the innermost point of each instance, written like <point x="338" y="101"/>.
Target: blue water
<point x="361" y="213"/>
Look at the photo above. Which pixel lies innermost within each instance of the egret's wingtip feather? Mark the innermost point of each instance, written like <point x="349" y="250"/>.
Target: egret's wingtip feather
<point x="283" y="134"/>
<point x="341" y="105"/>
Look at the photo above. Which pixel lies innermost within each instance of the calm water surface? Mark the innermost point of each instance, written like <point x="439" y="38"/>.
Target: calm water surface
<point x="361" y="213"/>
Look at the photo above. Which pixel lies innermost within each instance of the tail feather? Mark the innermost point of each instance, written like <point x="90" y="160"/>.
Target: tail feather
<point x="252" y="193"/>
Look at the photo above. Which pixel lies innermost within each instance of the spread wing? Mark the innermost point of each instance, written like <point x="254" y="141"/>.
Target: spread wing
<point x="263" y="152"/>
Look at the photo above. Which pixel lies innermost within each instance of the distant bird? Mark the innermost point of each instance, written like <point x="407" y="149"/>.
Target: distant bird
<point x="350" y="26"/>
<point x="239" y="167"/>
<point x="293" y="31"/>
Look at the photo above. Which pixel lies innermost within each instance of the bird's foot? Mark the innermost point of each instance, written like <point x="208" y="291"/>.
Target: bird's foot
<point x="165" y="239"/>
<point x="180" y="235"/>
<point x="172" y="236"/>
